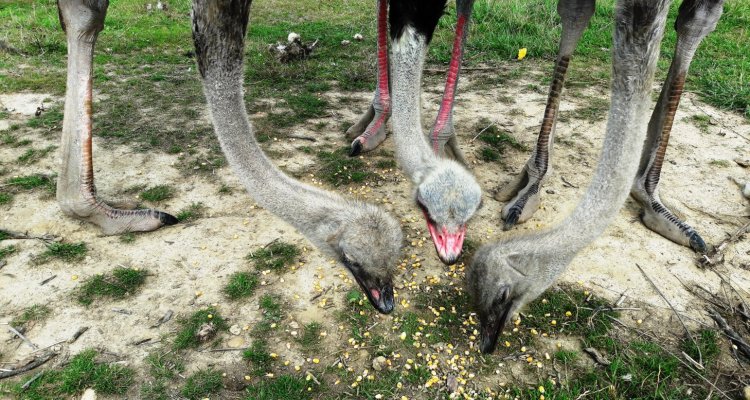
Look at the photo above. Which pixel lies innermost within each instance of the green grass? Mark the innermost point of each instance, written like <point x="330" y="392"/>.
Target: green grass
<point x="275" y="257"/>
<point x="164" y="365"/>
<point x="31" y="182"/>
<point x="50" y="119"/>
<point x="7" y="251"/>
<point x="704" y="346"/>
<point x="82" y="372"/>
<point x="31" y="156"/>
<point x="337" y="168"/>
<point x="259" y="357"/>
<point x="701" y="121"/>
<point x="191" y="212"/>
<point x="5" y="198"/>
<point x="241" y="285"/>
<point x="310" y="337"/>
<point x="202" y="383"/>
<point x="496" y="138"/>
<point x="284" y="387"/>
<point x="201" y="327"/>
<point x="272" y="315"/>
<point x="121" y="283"/>
<point x="720" y="163"/>
<point x="4" y="235"/>
<point x="158" y="193"/>
<point x="35" y="313"/>
<point x="68" y="252"/>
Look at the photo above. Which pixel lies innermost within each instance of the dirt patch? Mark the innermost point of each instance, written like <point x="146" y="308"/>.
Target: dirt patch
<point x="189" y="264"/>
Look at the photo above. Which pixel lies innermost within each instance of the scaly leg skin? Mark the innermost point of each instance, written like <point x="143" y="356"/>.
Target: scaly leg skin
<point x="443" y="137"/>
<point x="696" y="19"/>
<point x="524" y="191"/>
<point x="370" y="130"/>
<point x="82" y="21"/>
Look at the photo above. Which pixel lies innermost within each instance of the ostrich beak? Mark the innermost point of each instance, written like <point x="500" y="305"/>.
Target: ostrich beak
<point x="448" y="244"/>
<point x="493" y="324"/>
<point x="380" y="294"/>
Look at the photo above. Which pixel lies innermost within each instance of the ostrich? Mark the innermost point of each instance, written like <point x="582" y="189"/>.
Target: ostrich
<point x="365" y="239"/>
<point x="506" y="275"/>
<point x="447" y="193"/>
<point x="370" y="131"/>
<point x="523" y="193"/>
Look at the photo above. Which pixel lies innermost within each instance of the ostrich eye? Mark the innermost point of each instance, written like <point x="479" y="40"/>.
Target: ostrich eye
<point x="424" y="210"/>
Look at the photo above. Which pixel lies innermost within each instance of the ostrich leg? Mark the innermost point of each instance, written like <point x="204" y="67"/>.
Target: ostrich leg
<point x="443" y="137"/>
<point x="369" y="131"/>
<point x="523" y="191"/>
<point x="82" y="20"/>
<point x="696" y="19"/>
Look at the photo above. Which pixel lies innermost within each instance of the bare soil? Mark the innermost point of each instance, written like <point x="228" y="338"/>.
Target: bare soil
<point x="190" y="263"/>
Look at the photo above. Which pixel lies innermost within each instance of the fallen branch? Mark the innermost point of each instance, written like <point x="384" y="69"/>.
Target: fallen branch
<point x="687" y="331"/>
<point x="716" y="255"/>
<point x="22" y="337"/>
<point x="733" y="336"/>
<point x="36" y="362"/>
<point x="78" y="333"/>
<point x="28" y="383"/>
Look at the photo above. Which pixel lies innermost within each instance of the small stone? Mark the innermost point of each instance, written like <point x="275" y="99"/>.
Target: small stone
<point x="746" y="392"/>
<point x="236" y="342"/>
<point x="358" y="37"/>
<point x="294" y="325"/>
<point x="550" y="191"/>
<point x="345" y="42"/>
<point x="235" y="329"/>
<point x="89" y="394"/>
<point x="742" y="162"/>
<point x="378" y="363"/>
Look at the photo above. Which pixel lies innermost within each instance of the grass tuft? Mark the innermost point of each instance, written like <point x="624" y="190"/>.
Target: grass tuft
<point x="191" y="212"/>
<point x="6" y="251"/>
<point x="68" y="252"/>
<point x="272" y="314"/>
<point x="35" y="313"/>
<point x="199" y="328"/>
<point x="241" y="284"/>
<point x="310" y="337"/>
<point x="31" y="182"/>
<point x="82" y="372"/>
<point x="338" y="169"/>
<point x="202" y="383"/>
<point x="158" y="193"/>
<point x="257" y="354"/>
<point x="121" y="283"/>
<point x="275" y="257"/>
<point x="281" y="388"/>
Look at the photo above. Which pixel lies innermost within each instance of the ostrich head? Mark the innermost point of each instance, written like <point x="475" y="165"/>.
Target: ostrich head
<point x="448" y="196"/>
<point x="504" y="276"/>
<point x="368" y="243"/>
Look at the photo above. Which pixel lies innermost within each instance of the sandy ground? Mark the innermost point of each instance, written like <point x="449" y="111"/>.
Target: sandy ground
<point x="198" y="257"/>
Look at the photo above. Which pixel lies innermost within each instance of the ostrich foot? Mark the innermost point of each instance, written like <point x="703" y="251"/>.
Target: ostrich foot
<point x="368" y="133"/>
<point x="657" y="217"/>
<point x="114" y="221"/>
<point x="523" y="198"/>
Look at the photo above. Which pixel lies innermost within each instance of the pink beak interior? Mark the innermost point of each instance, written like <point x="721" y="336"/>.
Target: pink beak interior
<point x="447" y="244"/>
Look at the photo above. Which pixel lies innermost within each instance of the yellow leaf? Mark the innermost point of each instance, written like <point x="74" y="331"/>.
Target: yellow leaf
<point x="521" y="54"/>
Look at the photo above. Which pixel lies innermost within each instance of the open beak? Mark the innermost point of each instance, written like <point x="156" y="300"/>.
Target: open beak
<point x="448" y="244"/>
<point x="490" y="329"/>
<point x="380" y="295"/>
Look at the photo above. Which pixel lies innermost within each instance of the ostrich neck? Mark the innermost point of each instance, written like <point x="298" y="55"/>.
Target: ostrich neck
<point x="407" y="59"/>
<point x="312" y="211"/>
<point x="634" y="63"/>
